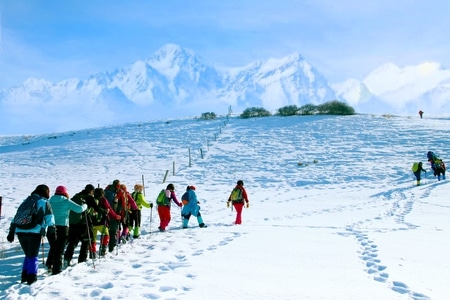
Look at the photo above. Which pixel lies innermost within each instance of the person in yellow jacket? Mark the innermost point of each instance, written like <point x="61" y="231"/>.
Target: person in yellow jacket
<point x="136" y="215"/>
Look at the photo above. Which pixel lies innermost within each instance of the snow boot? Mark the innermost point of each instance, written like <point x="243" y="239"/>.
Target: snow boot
<point x="136" y="232"/>
<point x="201" y="224"/>
<point x="185" y="223"/>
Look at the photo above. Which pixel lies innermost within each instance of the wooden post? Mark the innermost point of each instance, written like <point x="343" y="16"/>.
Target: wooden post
<point x="190" y="165"/>
<point x="201" y="153"/>
<point x="173" y="168"/>
<point x="143" y="185"/>
<point x="165" y="176"/>
<point x="1" y="207"/>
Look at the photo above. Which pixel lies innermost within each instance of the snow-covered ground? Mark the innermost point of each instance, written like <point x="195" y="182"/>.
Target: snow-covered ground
<point x="334" y="210"/>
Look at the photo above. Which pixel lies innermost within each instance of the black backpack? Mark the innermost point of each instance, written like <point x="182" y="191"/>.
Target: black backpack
<point x="27" y="215"/>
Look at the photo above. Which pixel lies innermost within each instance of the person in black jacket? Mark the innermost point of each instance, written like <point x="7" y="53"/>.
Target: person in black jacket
<point x="79" y="229"/>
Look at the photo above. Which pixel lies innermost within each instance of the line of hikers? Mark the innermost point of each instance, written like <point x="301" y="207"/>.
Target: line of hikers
<point x="436" y="164"/>
<point x="113" y="213"/>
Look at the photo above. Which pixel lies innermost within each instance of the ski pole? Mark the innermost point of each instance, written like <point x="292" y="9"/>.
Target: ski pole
<point x="91" y="251"/>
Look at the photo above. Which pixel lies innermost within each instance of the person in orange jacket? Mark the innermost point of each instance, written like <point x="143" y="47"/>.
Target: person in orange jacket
<point x="238" y="198"/>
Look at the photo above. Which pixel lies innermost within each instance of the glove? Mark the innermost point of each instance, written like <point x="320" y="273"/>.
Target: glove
<point x="228" y="203"/>
<point x="180" y="205"/>
<point x="10" y="237"/>
<point x="118" y="218"/>
<point x="151" y="205"/>
<point x="247" y="205"/>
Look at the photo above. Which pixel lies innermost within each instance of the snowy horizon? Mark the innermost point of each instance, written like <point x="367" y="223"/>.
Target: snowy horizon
<point x="334" y="210"/>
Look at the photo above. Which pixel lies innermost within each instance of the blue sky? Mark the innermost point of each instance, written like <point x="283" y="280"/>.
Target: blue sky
<point x="58" y="40"/>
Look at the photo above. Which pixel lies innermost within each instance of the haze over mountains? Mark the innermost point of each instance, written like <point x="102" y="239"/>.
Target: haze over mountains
<point x="176" y="82"/>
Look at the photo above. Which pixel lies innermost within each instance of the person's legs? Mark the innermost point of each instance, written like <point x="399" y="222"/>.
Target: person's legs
<point x="238" y="207"/>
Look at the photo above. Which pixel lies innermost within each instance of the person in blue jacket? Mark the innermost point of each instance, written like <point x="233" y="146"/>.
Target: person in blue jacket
<point x="30" y="239"/>
<point x="191" y="207"/>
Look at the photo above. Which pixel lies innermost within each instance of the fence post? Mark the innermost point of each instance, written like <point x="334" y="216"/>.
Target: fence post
<point x="190" y="165"/>
<point x="165" y="176"/>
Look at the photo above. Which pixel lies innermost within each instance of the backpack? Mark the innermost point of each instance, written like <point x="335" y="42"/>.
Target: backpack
<point x="236" y="195"/>
<point x="162" y="198"/>
<point x="74" y="217"/>
<point x="27" y="216"/>
<point x="110" y="194"/>
<point x="415" y="167"/>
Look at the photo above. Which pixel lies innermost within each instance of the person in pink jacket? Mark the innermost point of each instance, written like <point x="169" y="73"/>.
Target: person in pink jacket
<point x="164" y="208"/>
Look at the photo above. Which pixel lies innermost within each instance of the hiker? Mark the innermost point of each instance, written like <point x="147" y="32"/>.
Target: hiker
<point x="30" y="239"/>
<point x="136" y="215"/>
<point x="61" y="206"/>
<point x="79" y="230"/>
<point x="420" y="113"/>
<point x="437" y="165"/>
<point x="100" y="221"/>
<point x="238" y="198"/>
<point x="116" y="199"/>
<point x="417" y="170"/>
<point x="164" y="207"/>
<point x="128" y="206"/>
<point x="191" y="207"/>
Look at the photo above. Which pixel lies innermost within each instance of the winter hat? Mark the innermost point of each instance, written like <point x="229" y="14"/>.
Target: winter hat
<point x="191" y="187"/>
<point x="170" y="187"/>
<point x="240" y="182"/>
<point x="61" y="190"/>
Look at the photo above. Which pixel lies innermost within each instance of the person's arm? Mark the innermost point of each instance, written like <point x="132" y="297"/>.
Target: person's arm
<point x="174" y="198"/>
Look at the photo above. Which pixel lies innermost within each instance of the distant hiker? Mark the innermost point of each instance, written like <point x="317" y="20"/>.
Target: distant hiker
<point x="136" y="215"/>
<point x="61" y="206"/>
<point x="417" y="170"/>
<point x="191" y="207"/>
<point x="420" y="113"/>
<point x="437" y="165"/>
<point x="238" y="198"/>
<point x="164" y="206"/>
<point x="30" y="239"/>
<point x="101" y="220"/>
<point x="79" y="230"/>
<point x="116" y="199"/>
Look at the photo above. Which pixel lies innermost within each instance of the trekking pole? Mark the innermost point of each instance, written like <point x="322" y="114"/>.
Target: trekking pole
<point x="151" y="214"/>
<point x="42" y="243"/>
<point x="101" y="238"/>
<point x="91" y="251"/>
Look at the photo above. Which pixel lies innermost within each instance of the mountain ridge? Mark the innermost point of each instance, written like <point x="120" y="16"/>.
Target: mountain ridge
<point x="176" y="82"/>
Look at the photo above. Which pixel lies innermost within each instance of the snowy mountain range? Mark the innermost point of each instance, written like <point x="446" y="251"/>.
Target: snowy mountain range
<point x="176" y="82"/>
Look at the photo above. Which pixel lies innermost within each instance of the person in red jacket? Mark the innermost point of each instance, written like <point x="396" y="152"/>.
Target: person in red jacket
<point x="238" y="198"/>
